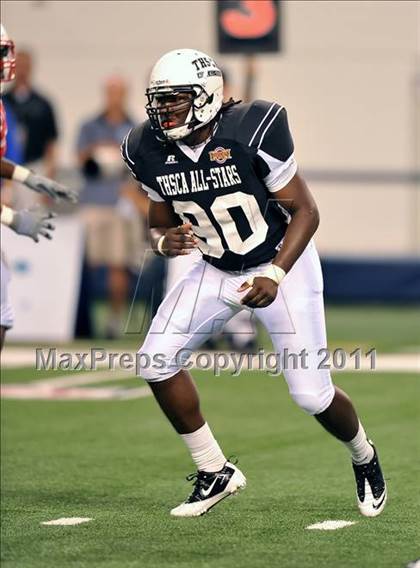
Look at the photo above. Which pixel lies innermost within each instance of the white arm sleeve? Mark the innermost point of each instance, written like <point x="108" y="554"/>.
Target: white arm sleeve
<point x="280" y="172"/>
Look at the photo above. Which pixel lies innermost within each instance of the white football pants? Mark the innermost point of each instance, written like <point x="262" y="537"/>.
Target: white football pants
<point x="205" y="298"/>
<point x="241" y="325"/>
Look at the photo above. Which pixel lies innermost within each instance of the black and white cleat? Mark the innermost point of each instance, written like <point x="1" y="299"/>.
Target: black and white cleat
<point x="371" y="486"/>
<point x="210" y="489"/>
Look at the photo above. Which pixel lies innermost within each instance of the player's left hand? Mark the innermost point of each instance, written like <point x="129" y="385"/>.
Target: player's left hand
<point x="263" y="292"/>
<point x="51" y="188"/>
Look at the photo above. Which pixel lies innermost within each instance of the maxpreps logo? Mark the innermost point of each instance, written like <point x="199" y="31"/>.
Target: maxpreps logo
<point x="220" y="155"/>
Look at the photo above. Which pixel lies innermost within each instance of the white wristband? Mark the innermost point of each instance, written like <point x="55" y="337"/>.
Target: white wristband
<point x="7" y="215"/>
<point x="159" y="245"/>
<point x="20" y="174"/>
<point x="274" y="272"/>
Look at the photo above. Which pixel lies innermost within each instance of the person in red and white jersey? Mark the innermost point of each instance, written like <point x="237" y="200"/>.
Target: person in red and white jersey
<point x="29" y="222"/>
<point x="10" y="170"/>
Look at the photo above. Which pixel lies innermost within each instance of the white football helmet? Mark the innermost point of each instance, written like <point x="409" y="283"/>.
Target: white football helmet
<point x="7" y="61"/>
<point x="185" y="71"/>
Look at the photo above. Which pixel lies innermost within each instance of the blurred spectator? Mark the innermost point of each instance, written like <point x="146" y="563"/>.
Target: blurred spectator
<point x="35" y="116"/>
<point x="114" y="236"/>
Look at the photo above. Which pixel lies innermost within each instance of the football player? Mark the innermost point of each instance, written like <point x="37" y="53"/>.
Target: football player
<point x="223" y="178"/>
<point x="34" y="222"/>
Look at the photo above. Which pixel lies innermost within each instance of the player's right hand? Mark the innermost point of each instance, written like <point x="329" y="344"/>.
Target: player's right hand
<point x="179" y="240"/>
<point x="33" y="223"/>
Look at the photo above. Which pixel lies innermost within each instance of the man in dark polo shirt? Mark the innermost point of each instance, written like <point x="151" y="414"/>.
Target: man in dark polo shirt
<point x="35" y="116"/>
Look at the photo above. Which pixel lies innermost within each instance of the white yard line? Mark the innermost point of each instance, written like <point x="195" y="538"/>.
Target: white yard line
<point x="67" y="521"/>
<point x="12" y="357"/>
<point x="77" y="378"/>
<point x="30" y="391"/>
<point x="73" y="387"/>
<point x="330" y="525"/>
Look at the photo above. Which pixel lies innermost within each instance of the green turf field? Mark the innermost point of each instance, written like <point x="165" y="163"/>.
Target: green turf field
<point x="121" y="464"/>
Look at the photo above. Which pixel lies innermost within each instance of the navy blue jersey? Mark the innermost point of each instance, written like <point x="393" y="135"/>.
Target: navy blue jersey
<point x="223" y="187"/>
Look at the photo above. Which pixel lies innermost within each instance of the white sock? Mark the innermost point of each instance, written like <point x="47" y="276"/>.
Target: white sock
<point x="360" y="449"/>
<point x="204" y="449"/>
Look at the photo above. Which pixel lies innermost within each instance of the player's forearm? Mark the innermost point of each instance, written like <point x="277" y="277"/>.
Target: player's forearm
<point x="303" y="224"/>
<point x="161" y="219"/>
<point x="10" y="170"/>
<point x="40" y="184"/>
<point x="7" y="169"/>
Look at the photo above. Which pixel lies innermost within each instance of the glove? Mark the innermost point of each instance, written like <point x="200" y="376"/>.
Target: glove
<point x="50" y="187"/>
<point x="32" y="223"/>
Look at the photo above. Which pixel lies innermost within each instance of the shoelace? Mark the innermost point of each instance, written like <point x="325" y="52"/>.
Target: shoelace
<point x="192" y="476"/>
<point x="201" y="481"/>
<point x="200" y="476"/>
<point x="231" y="459"/>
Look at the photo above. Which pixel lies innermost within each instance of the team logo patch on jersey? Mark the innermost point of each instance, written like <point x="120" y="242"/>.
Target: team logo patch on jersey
<point x="220" y="155"/>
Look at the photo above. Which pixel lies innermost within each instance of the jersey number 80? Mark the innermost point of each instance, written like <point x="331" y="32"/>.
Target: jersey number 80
<point x="210" y="242"/>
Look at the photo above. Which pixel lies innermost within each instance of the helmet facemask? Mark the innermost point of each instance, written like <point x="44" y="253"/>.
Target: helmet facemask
<point x="159" y="113"/>
<point x="7" y="63"/>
